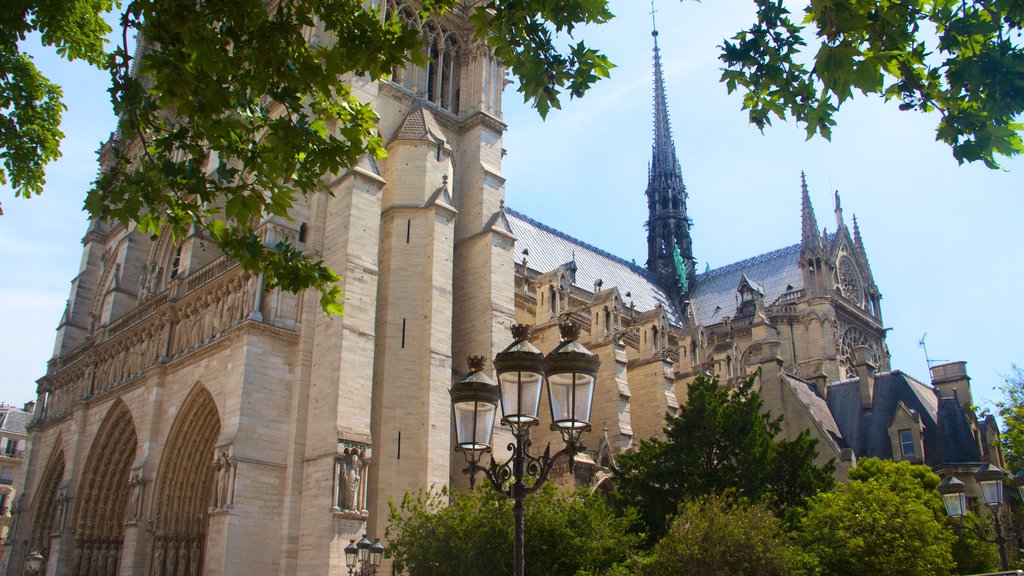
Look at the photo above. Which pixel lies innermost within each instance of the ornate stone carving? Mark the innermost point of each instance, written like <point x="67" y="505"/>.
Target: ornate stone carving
<point x="351" y="470"/>
<point x="225" y="470"/>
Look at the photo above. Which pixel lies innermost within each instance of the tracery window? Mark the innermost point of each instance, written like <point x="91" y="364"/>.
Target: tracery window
<point x="850" y="338"/>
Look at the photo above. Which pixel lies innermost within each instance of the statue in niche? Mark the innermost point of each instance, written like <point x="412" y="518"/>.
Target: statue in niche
<point x="352" y="468"/>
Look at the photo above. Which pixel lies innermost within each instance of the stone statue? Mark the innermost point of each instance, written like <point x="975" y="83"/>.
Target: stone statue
<point x="352" y="478"/>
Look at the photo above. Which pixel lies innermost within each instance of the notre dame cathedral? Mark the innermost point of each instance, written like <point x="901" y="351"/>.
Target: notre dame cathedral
<point x="194" y="422"/>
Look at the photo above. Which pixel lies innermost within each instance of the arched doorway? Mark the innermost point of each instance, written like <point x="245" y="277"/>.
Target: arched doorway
<point x="45" y="506"/>
<point x="103" y="495"/>
<point x="183" y="487"/>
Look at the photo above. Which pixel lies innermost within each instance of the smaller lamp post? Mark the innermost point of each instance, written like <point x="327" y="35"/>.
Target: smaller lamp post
<point x="362" y="558"/>
<point x="990" y="480"/>
<point x="33" y="563"/>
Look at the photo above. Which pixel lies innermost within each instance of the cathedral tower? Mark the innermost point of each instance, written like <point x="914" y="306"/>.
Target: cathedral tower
<point x="669" y="250"/>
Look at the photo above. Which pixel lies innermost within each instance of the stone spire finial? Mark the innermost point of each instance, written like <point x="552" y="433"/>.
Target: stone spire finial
<point x="809" y="239"/>
<point x="858" y="243"/>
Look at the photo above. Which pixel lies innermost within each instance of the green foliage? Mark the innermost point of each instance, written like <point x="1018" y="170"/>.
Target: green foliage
<point x="470" y="533"/>
<point x="962" y="59"/>
<point x="31" y="105"/>
<point x="714" y="536"/>
<point x="866" y="527"/>
<point x="230" y="115"/>
<point x="1011" y="412"/>
<point x="918" y="483"/>
<point x="721" y="440"/>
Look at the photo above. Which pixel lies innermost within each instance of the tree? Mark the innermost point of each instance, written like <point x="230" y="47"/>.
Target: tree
<point x="868" y="528"/>
<point x="716" y="536"/>
<point x="721" y="440"/>
<point x="915" y="482"/>
<point x="1011" y="412"/>
<point x="230" y="114"/>
<point x="470" y="533"/>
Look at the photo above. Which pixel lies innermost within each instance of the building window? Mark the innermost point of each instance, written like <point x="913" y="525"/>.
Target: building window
<point x="907" y="443"/>
<point x="6" y="475"/>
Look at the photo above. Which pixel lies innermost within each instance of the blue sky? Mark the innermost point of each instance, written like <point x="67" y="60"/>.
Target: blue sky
<point x="942" y="239"/>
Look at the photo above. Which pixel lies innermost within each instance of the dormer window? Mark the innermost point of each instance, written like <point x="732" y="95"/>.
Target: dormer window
<point x="907" y="444"/>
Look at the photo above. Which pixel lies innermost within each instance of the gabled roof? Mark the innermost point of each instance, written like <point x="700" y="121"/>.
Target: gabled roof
<point x="775" y="273"/>
<point x="550" y="249"/>
<point x="816" y="407"/>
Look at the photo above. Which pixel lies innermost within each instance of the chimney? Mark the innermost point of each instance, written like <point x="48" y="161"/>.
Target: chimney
<point x="952" y="381"/>
<point x="30" y="406"/>
<point x="866" y="369"/>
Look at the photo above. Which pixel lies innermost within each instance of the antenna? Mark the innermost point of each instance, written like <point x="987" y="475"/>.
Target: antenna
<point x="928" y="361"/>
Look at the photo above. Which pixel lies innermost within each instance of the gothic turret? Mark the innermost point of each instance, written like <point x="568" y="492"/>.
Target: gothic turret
<point x="812" y="243"/>
<point x="669" y="250"/>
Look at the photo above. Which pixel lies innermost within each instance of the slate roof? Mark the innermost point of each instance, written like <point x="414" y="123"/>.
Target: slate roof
<point x="15" y="421"/>
<point x="550" y="249"/>
<point x="816" y="407"/>
<point x="775" y="273"/>
<point x="946" y="430"/>
<point x="420" y="124"/>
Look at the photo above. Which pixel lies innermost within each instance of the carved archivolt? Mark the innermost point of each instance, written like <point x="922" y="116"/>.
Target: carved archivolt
<point x="183" y="486"/>
<point x="46" y="504"/>
<point x="104" y="494"/>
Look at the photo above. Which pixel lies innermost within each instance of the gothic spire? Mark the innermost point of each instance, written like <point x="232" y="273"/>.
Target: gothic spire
<point x="669" y="251"/>
<point x="809" y="239"/>
<point x="858" y="244"/>
<point x="664" y="160"/>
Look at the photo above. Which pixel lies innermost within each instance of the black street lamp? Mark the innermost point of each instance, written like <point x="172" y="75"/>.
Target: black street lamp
<point x="362" y="558"/>
<point x="33" y="563"/>
<point x="570" y="371"/>
<point x="990" y="480"/>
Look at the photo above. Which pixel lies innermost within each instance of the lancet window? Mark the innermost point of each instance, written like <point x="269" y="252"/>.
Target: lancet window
<point x="439" y="81"/>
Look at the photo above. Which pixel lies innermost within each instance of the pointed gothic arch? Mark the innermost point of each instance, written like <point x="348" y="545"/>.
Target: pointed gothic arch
<point x="183" y="486"/>
<point x="46" y="504"/>
<point x="103" y="495"/>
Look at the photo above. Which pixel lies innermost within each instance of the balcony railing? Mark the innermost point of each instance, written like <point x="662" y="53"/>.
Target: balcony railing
<point x="15" y="454"/>
<point x="6" y="481"/>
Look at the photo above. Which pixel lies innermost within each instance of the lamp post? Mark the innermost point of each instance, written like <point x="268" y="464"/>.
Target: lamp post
<point x="362" y="558"/>
<point x="33" y="563"/>
<point x="990" y="480"/>
<point x="570" y="371"/>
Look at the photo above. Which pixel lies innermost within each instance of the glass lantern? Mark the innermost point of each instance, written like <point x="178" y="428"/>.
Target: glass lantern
<point x="520" y="377"/>
<point x="571" y="371"/>
<point x="475" y="403"/>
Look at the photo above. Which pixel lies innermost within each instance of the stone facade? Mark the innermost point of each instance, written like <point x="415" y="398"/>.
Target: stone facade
<point x="193" y="421"/>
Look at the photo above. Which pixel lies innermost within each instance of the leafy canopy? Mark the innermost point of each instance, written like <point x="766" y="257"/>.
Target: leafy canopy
<point x="964" y="60"/>
<point x="470" y="533"/>
<point x="915" y="482"/>
<point x="1011" y="412"/>
<point x="721" y="440"/>
<point x="720" y="536"/>
<point x="878" y="523"/>
<point x="231" y="114"/>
